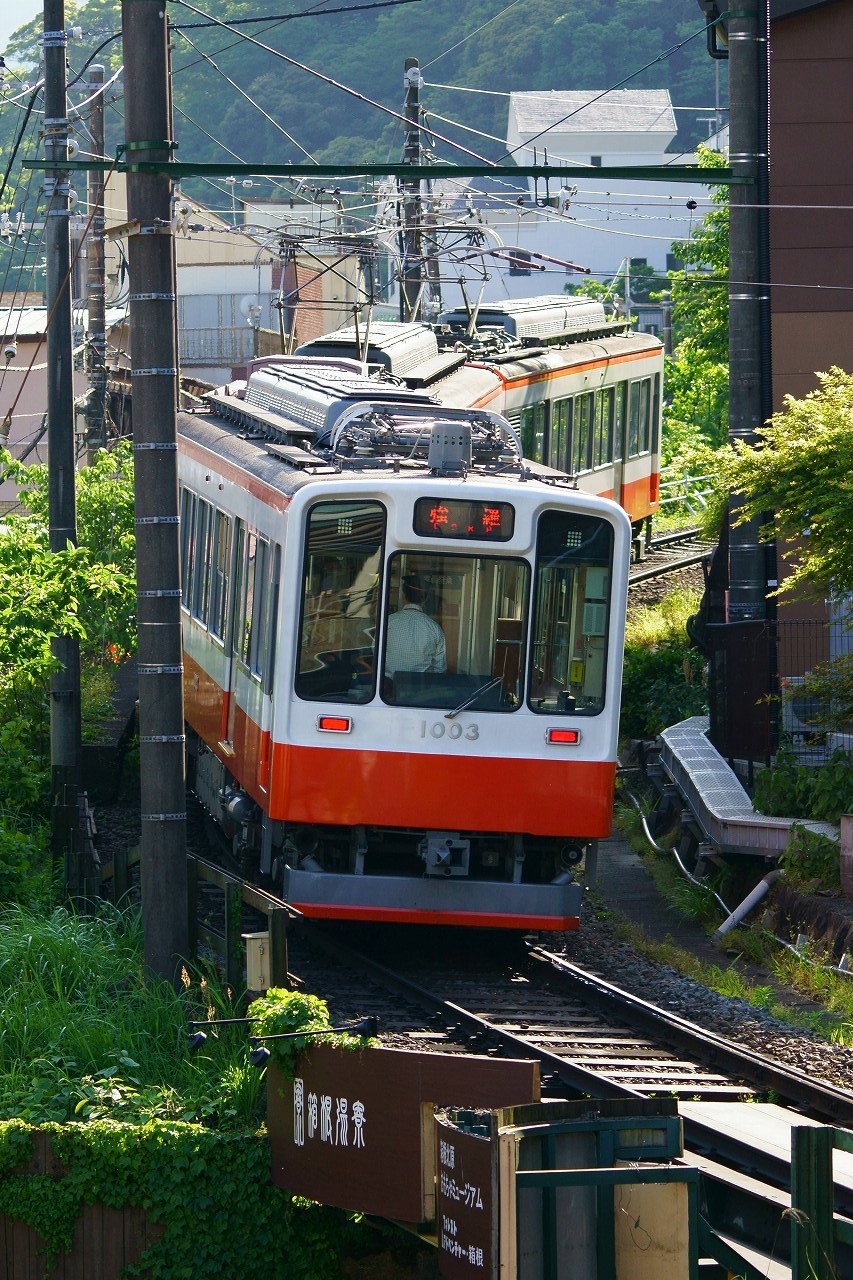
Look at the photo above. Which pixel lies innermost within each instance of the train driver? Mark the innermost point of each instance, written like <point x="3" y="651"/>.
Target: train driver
<point x="415" y="640"/>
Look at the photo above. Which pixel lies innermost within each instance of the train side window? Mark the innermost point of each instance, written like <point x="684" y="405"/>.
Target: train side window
<point x="341" y="587"/>
<point x="645" y="413"/>
<point x="634" y="420"/>
<point x="220" y="569"/>
<point x="201" y="561"/>
<point x="583" y="430"/>
<point x="603" y="452"/>
<point x="558" y="443"/>
<point x="187" y="539"/>
<point x="247" y="610"/>
<point x="239" y="622"/>
<point x="619" y="421"/>
<point x="568" y="656"/>
<point x="258" y="628"/>
<point x="274" y="596"/>
<point x="533" y="427"/>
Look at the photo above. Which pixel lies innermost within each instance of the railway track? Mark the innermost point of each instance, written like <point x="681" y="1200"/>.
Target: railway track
<point x="589" y="1037"/>
<point x="669" y="554"/>
<point x="458" y="994"/>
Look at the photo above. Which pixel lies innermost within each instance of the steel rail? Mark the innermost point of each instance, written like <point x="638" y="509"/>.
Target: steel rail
<point x="671" y="566"/>
<point x="822" y="1100"/>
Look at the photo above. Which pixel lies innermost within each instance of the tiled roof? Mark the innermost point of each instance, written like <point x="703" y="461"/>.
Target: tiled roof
<point x="583" y="111"/>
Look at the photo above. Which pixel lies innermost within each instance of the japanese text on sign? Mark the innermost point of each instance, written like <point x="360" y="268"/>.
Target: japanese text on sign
<point x="313" y="1117"/>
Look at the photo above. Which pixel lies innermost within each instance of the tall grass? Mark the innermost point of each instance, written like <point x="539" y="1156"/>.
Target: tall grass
<point x="83" y="1032"/>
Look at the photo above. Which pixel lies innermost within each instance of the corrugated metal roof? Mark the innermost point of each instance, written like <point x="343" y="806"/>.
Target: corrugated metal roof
<point x="29" y="322"/>
<point x="619" y="110"/>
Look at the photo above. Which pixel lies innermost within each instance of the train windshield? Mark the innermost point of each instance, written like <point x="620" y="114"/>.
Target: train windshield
<point x="455" y="634"/>
<point x="340" y="602"/>
<point x="568" y="653"/>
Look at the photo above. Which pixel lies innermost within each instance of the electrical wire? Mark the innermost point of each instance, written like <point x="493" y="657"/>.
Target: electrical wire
<point x="248" y="98"/>
<point x="336" y="84"/>
<point x="313" y="12"/>
<point x="18" y="140"/>
<point x="471" y="34"/>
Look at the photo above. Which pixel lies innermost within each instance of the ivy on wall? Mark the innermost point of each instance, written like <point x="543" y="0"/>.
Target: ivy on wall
<point x="211" y="1193"/>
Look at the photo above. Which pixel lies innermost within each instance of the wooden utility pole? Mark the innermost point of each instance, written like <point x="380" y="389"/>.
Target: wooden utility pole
<point x="154" y="361"/>
<point x="62" y="507"/>
<point x="412" y="283"/>
<point x="96" y="351"/>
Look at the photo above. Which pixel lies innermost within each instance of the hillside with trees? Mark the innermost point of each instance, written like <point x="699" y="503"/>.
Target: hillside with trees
<point x="281" y="111"/>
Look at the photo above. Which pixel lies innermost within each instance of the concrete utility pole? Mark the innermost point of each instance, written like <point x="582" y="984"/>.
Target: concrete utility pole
<point x="749" y="303"/>
<point x="62" y="507"/>
<point x="412" y="284"/>
<point x="96" y="351"/>
<point x="154" y="371"/>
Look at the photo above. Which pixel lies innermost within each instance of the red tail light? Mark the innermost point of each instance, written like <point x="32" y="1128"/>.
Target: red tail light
<point x="563" y="737"/>
<point x="334" y="724"/>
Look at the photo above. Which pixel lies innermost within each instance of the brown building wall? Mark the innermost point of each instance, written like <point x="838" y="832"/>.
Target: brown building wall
<point x="811" y="232"/>
<point x="811" y="192"/>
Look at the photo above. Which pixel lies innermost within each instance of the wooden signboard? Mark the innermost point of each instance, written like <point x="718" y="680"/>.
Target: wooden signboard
<point x="466" y="1202"/>
<point x="355" y="1128"/>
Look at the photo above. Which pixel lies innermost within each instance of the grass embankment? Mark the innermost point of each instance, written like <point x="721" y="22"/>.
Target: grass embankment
<point x="664" y="682"/>
<point x="752" y="946"/>
<point x="84" y="1035"/>
<point x="97" y="1058"/>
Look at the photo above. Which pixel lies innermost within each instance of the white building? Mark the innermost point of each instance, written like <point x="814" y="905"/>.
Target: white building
<point x="595" y="223"/>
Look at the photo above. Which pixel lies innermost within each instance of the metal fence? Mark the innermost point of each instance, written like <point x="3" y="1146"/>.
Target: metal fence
<point x="760" y="677"/>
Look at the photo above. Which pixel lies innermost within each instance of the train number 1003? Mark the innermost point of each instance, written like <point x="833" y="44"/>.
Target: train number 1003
<point x="454" y="730"/>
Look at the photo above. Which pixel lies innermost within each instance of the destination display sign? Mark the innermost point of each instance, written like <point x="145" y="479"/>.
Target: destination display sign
<point x="464" y="519"/>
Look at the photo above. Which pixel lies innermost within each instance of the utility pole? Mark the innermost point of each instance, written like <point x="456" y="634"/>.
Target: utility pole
<point x="154" y="371"/>
<point x="62" y="509"/>
<point x="749" y="341"/>
<point x="96" y="350"/>
<point x="411" y="287"/>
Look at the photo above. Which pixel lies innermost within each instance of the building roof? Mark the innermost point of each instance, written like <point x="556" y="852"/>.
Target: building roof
<point x="587" y="111"/>
<point x="31" y="322"/>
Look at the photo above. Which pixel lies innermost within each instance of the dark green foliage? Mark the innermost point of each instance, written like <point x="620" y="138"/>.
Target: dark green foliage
<point x="663" y="677"/>
<point x="211" y="1193"/>
<point x="821" y="792"/>
<point x="281" y="1012"/>
<point x="811" y="860"/>
<point x="565" y="44"/>
<point x="660" y="686"/>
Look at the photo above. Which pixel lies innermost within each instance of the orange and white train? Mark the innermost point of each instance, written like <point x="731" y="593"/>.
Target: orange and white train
<point x="374" y="781"/>
<point x="584" y="392"/>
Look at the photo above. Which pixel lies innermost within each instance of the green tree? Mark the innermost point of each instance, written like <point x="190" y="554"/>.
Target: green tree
<point x="86" y="591"/>
<point x="801" y="471"/>
<point x="697" y="373"/>
<point x="699" y="288"/>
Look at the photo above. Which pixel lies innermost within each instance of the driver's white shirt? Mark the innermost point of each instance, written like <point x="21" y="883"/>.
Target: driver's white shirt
<point x="415" y="642"/>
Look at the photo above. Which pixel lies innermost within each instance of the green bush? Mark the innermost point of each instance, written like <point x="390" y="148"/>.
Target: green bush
<point x="211" y="1192"/>
<point x="663" y="677"/>
<point x="791" y="790"/>
<point x="811" y="860"/>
